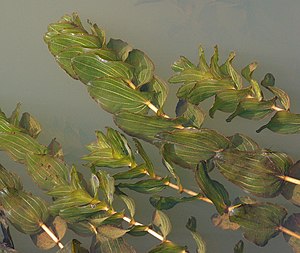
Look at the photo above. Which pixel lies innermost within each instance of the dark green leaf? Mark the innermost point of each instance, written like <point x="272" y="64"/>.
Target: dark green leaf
<point x="293" y="224"/>
<point x="138" y="230"/>
<point x="268" y="81"/>
<point x="109" y="232"/>
<point x="182" y="64"/>
<point x="114" y="95"/>
<point x="118" y="245"/>
<point x="282" y="96"/>
<point x="89" y="66"/>
<point x="168" y="247"/>
<point x="107" y="185"/>
<point x="239" y="247"/>
<point x="162" y="222"/>
<point x="73" y="247"/>
<point x="214" y="66"/>
<point x="30" y="124"/>
<point x="129" y="202"/>
<point x="212" y="189"/>
<point x="192" y="226"/>
<point x="283" y="122"/>
<point x="187" y="147"/>
<point x="145" y="127"/>
<point x="259" y="221"/>
<point x="159" y="89"/>
<point x="100" y="33"/>
<point x="251" y="108"/>
<point x="149" y="186"/>
<point x="55" y="150"/>
<point x="121" y="48"/>
<point x="165" y="203"/>
<point x="143" y="67"/>
<point x="242" y="142"/>
<point x="194" y="115"/>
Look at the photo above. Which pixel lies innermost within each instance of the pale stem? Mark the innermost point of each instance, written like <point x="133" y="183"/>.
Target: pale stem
<point x="278" y="109"/>
<point x="290" y="179"/>
<point x="289" y="232"/>
<point x="51" y="235"/>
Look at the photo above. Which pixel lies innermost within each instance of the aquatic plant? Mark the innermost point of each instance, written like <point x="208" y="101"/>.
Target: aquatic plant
<point x="123" y="82"/>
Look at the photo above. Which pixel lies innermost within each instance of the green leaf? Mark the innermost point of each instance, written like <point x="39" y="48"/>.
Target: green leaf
<point x="55" y="150"/>
<point x="107" y="185"/>
<point x="203" y="66"/>
<point x="24" y="211"/>
<point x="149" y="165"/>
<point x="9" y="180"/>
<point x="47" y="171"/>
<point x="212" y="189"/>
<point x="192" y="113"/>
<point x="100" y="33"/>
<point x="137" y="172"/>
<point x="165" y="203"/>
<point x="168" y="247"/>
<point x="114" y="95"/>
<point x="248" y="71"/>
<point x="138" y="230"/>
<point x="242" y="142"/>
<point x="192" y="226"/>
<point x="292" y="223"/>
<point x="145" y="127"/>
<point x="143" y="67"/>
<point x="18" y="145"/>
<point x="239" y="247"/>
<point x="73" y="247"/>
<point x="121" y="48"/>
<point x="259" y="222"/>
<point x="237" y="79"/>
<point x="182" y="64"/>
<point x="129" y="202"/>
<point x="282" y="96"/>
<point x="90" y="66"/>
<point x="189" y="75"/>
<point x="223" y="222"/>
<point x="251" y="108"/>
<point x="227" y="100"/>
<point x="256" y="172"/>
<point x="187" y="147"/>
<point x="109" y="232"/>
<point x="268" y="81"/>
<point x="149" y="186"/>
<point x="118" y="245"/>
<point x="214" y="66"/>
<point x="30" y="124"/>
<point x="162" y="222"/>
<point x="283" y="122"/>
<point x="203" y="89"/>
<point x="14" y="118"/>
<point x="60" y="42"/>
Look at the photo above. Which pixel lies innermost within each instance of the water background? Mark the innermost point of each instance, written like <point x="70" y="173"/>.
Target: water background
<point x="266" y="31"/>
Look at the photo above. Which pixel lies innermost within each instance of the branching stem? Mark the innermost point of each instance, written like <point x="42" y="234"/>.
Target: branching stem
<point x="51" y="235"/>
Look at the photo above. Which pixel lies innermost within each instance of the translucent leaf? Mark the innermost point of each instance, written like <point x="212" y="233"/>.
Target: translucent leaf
<point x="60" y="42"/>
<point x="214" y="66"/>
<point x="293" y="224"/>
<point x="9" y="180"/>
<point x="145" y="127"/>
<point x="237" y="79"/>
<point x="121" y="48"/>
<point x="165" y="203"/>
<point x="212" y="189"/>
<point x="129" y="202"/>
<point x="137" y="172"/>
<point x="107" y="185"/>
<point x="283" y="122"/>
<point x="192" y="113"/>
<point x="187" y="147"/>
<point x="55" y="150"/>
<point x="149" y="186"/>
<point x="223" y="222"/>
<point x="114" y="95"/>
<point x="255" y="172"/>
<point x="282" y="96"/>
<point x="168" y="247"/>
<point x="248" y="71"/>
<point x="94" y="183"/>
<point x="14" y="118"/>
<point x="30" y="124"/>
<point x="73" y="247"/>
<point x="24" y="211"/>
<point x="143" y="67"/>
<point x="109" y="232"/>
<point x="192" y="226"/>
<point x="162" y="222"/>
<point x="268" y="81"/>
<point x="118" y="245"/>
<point x="251" y="108"/>
<point x="43" y="241"/>
<point x="90" y="66"/>
<point x="242" y="142"/>
<point x="259" y="221"/>
<point x="203" y="89"/>
<point x="239" y="247"/>
<point x="182" y="63"/>
<point x="203" y="66"/>
<point x="292" y="191"/>
<point x="189" y="75"/>
<point x="47" y="171"/>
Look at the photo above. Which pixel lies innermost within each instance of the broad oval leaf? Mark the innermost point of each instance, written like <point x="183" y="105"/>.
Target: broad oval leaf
<point x="259" y="222"/>
<point x="90" y="66"/>
<point x="114" y="95"/>
<point x="283" y="122"/>
<point x="242" y="142"/>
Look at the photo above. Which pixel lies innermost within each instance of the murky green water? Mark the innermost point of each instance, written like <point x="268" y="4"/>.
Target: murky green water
<point x="266" y="31"/>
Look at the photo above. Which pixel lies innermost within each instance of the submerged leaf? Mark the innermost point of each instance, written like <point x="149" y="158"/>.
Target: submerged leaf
<point x="239" y="247"/>
<point x="162" y="222"/>
<point x="30" y="124"/>
<point x="168" y="247"/>
<point x="149" y="186"/>
<point x="192" y="226"/>
<point x="293" y="224"/>
<point x="121" y="48"/>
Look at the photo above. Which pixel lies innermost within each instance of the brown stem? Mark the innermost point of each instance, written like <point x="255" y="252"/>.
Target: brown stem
<point x="290" y="179"/>
<point x="51" y="235"/>
<point x="288" y="232"/>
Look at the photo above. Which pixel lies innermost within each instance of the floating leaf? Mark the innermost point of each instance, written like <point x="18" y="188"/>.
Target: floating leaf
<point x="293" y="224"/>
<point x="283" y="122"/>
<point x="256" y="172"/>
<point x="223" y="222"/>
<point x="162" y="222"/>
<point x="143" y="67"/>
<point x="251" y="108"/>
<point x="168" y="247"/>
<point x="192" y="226"/>
<point x="121" y="48"/>
<point x="43" y="241"/>
<point x="282" y="96"/>
<point x="239" y="247"/>
<point x="114" y="95"/>
<point x="182" y="64"/>
<point x="187" y="147"/>
<point x="227" y="100"/>
<point x="259" y="221"/>
<point x="24" y="211"/>
<point x="145" y="127"/>
<point x="212" y="189"/>
<point x="47" y="171"/>
<point x="90" y="66"/>
<point x="149" y="186"/>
